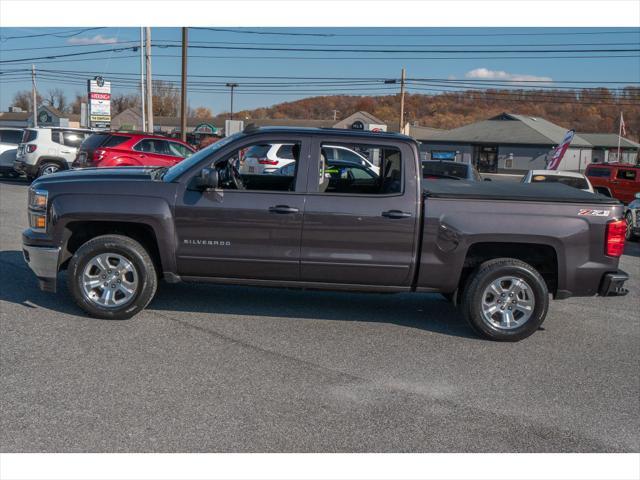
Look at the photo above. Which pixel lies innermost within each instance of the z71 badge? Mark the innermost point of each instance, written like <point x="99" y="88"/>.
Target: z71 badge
<point x="594" y="213"/>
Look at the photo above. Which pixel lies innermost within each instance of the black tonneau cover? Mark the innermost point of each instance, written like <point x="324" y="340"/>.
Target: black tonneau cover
<point x="512" y="191"/>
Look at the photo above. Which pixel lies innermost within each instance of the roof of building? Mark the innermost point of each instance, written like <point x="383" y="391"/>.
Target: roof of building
<point x="608" y="140"/>
<point x="508" y="128"/>
<point x="14" y="115"/>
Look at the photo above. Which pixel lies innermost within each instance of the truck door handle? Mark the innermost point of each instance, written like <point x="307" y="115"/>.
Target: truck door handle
<point x="395" y="214"/>
<point x="283" y="209"/>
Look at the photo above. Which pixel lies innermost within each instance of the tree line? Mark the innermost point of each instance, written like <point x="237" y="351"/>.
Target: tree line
<point x="166" y="101"/>
<point x="593" y="110"/>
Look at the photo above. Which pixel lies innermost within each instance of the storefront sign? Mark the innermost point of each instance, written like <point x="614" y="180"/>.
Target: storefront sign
<point x="99" y="103"/>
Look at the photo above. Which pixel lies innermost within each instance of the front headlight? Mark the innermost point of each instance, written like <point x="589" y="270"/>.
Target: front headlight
<point x="38" y="209"/>
<point x="38" y="199"/>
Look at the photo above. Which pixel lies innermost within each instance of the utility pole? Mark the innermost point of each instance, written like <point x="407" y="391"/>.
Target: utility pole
<point x="149" y="81"/>
<point x="183" y="93"/>
<point x="402" y="80"/>
<point x="34" y="94"/>
<point x="232" y="86"/>
<point x="142" y="100"/>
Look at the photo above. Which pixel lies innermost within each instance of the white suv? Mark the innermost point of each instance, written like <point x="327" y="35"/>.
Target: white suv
<point x="46" y="150"/>
<point x="9" y="140"/>
<point x="267" y="158"/>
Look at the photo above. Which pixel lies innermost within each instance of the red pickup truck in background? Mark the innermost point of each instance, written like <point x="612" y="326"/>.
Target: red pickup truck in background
<point x="616" y="180"/>
<point x="121" y="149"/>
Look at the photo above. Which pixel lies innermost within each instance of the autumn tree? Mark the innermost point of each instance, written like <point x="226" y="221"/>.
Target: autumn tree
<point x="56" y="98"/>
<point x="166" y="98"/>
<point x="121" y="102"/>
<point x="75" y="106"/>
<point x="23" y="98"/>
<point x="200" y="112"/>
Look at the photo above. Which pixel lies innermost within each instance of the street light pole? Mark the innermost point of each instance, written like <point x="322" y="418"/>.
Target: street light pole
<point x="183" y="99"/>
<point x="232" y="86"/>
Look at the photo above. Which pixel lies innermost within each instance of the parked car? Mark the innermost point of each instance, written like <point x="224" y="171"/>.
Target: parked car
<point x="451" y="170"/>
<point x="9" y="141"/>
<point x="270" y="157"/>
<point x="124" y="149"/>
<point x="616" y="180"/>
<point x="572" y="179"/>
<point x="498" y="250"/>
<point x="48" y="150"/>
<point x="632" y="216"/>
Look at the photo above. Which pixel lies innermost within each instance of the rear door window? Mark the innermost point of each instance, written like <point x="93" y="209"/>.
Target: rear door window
<point x="286" y="152"/>
<point x="626" y="174"/>
<point x="72" y="139"/>
<point x="29" y="136"/>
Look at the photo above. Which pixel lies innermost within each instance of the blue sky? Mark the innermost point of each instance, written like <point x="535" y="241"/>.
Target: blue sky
<point x="461" y="67"/>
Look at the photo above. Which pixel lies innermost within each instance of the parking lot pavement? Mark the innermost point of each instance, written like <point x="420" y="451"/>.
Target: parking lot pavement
<point x="221" y="368"/>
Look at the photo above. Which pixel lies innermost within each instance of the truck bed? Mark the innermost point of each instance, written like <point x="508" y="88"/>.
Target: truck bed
<point x="512" y="191"/>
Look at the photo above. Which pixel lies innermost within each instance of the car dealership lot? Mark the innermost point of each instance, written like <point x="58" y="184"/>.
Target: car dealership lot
<point x="217" y="368"/>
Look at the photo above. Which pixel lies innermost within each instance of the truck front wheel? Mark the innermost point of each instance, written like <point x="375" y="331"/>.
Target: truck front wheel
<point x="505" y="299"/>
<point x="112" y="277"/>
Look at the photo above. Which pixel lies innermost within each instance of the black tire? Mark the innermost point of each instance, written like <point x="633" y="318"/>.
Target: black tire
<point x="48" y="168"/>
<point x="130" y="250"/>
<point x="484" y="275"/>
<point x="628" y="234"/>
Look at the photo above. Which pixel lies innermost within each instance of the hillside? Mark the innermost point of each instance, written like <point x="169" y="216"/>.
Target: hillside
<point x="594" y="110"/>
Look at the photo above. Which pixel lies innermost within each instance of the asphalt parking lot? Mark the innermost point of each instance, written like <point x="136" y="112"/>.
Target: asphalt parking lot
<point x="236" y="369"/>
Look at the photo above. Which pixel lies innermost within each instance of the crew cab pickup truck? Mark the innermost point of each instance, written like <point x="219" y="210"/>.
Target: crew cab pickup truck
<point x="497" y="250"/>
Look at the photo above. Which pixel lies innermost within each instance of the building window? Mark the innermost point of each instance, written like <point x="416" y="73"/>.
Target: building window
<point x="442" y="155"/>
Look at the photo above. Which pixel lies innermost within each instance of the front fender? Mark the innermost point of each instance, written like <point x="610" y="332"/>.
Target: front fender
<point x="154" y="212"/>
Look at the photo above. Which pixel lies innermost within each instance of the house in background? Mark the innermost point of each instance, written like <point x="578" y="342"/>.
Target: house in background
<point x="47" y="117"/>
<point x="605" y="148"/>
<point x="507" y="143"/>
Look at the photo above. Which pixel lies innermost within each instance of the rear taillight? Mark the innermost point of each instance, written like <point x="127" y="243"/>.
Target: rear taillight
<point x="614" y="240"/>
<point x="266" y="161"/>
<point x="31" y="148"/>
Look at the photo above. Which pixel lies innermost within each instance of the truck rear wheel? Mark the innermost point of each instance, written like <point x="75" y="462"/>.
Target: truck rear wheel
<point x="112" y="277"/>
<point x="505" y="299"/>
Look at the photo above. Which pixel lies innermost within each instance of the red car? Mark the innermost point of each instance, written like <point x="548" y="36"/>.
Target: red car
<point x="124" y="149"/>
<point x="618" y="180"/>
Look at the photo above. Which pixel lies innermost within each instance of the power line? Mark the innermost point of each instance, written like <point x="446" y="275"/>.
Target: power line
<point x="52" y="34"/>
<point x="484" y="34"/>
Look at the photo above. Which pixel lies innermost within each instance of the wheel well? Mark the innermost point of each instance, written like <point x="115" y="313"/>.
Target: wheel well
<point x="78" y="233"/>
<point x="57" y="160"/>
<point x="541" y="257"/>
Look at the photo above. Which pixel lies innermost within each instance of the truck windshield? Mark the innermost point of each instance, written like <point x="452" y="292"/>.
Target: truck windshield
<point x="179" y="168"/>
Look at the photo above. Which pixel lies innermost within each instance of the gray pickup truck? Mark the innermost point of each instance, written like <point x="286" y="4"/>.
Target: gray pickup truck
<point x="496" y="250"/>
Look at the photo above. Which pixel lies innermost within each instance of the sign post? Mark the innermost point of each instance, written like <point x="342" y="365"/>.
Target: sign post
<point x="99" y="103"/>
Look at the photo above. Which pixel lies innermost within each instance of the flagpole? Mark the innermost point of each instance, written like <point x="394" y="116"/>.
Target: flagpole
<point x="619" y="135"/>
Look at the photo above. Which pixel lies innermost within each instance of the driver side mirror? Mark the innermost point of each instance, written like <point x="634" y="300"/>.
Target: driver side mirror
<point x="208" y="179"/>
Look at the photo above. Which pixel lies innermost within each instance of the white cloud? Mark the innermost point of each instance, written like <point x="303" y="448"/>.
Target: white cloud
<point x="486" y="74"/>
<point x="99" y="39"/>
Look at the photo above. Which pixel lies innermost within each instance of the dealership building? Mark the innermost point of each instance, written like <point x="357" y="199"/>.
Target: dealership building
<point x="511" y="143"/>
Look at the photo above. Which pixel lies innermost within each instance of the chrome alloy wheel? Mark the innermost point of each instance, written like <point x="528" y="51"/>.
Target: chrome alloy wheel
<point x="109" y="280"/>
<point x="49" y="169"/>
<point x="507" y="303"/>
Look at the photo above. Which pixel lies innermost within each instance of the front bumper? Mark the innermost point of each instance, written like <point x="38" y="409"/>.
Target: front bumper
<point x="44" y="263"/>
<point x="612" y="284"/>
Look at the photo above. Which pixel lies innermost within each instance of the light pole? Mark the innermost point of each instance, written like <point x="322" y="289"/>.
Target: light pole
<point x="232" y="86"/>
<point x="183" y="90"/>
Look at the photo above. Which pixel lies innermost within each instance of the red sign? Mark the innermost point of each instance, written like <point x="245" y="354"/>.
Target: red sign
<point x="99" y="96"/>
